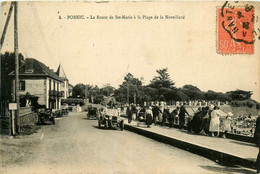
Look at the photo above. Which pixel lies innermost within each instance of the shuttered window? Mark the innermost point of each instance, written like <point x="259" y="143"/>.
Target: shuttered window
<point x="22" y="85"/>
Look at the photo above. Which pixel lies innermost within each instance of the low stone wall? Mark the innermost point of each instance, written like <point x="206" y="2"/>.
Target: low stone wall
<point x="27" y="116"/>
<point x="5" y="124"/>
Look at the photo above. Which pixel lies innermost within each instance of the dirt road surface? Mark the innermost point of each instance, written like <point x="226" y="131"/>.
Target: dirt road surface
<point x="76" y="145"/>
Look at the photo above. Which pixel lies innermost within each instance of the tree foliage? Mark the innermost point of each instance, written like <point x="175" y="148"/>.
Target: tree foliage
<point x="162" y="80"/>
<point x="7" y="66"/>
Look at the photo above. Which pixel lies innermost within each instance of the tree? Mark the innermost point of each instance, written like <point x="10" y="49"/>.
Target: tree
<point x="163" y="85"/>
<point x="7" y="66"/>
<point x="240" y="94"/>
<point x="79" y="90"/>
<point x="193" y="92"/>
<point x="178" y="95"/>
<point x="134" y="85"/>
<point x="163" y="79"/>
<point x="107" y="90"/>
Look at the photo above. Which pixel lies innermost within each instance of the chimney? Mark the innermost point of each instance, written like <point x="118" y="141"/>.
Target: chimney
<point x="29" y="66"/>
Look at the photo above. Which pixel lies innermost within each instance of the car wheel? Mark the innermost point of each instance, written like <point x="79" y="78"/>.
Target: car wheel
<point x="99" y="125"/>
<point x="53" y="121"/>
<point x="121" y="125"/>
<point x="106" y="124"/>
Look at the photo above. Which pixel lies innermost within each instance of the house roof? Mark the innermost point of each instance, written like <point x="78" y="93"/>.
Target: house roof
<point x="60" y="72"/>
<point x="38" y="69"/>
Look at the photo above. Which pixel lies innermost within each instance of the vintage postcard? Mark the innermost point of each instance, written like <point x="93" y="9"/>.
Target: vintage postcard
<point x="130" y="87"/>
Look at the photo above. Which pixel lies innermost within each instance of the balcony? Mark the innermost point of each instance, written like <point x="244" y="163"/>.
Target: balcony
<point x="54" y="94"/>
<point x="60" y="94"/>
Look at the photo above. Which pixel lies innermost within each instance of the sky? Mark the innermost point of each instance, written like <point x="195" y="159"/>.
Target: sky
<point x="102" y="51"/>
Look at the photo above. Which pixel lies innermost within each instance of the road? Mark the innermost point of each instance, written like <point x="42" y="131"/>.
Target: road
<point x="76" y="145"/>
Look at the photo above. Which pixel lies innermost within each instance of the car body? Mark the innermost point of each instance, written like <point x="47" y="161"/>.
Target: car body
<point x="46" y="115"/>
<point x="92" y="113"/>
<point x="110" y="118"/>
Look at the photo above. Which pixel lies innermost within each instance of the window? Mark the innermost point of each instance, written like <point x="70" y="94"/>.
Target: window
<point x="22" y="85"/>
<point x="54" y="85"/>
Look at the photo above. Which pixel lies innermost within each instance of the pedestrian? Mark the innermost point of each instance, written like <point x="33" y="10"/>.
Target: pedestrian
<point x="257" y="141"/>
<point x="195" y="124"/>
<point x="182" y="114"/>
<point x="156" y="111"/>
<point x="172" y="116"/>
<point x="166" y="114"/>
<point x="138" y="108"/>
<point x="133" y="111"/>
<point x="129" y="114"/>
<point x="214" y="122"/>
<point x="227" y="125"/>
<point x="149" y="116"/>
<point x="205" y="121"/>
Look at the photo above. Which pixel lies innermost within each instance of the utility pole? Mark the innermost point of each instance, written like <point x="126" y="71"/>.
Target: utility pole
<point x="86" y="93"/>
<point x="6" y="24"/>
<point x="128" y="93"/>
<point x="17" y="120"/>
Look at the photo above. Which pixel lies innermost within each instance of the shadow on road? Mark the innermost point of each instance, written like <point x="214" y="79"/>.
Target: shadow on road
<point x="227" y="169"/>
<point x="103" y="128"/>
<point x="89" y="118"/>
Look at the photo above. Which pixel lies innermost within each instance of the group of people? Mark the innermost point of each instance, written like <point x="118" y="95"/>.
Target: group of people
<point x="206" y="120"/>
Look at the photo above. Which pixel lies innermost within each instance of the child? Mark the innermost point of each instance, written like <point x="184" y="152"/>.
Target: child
<point x="226" y="125"/>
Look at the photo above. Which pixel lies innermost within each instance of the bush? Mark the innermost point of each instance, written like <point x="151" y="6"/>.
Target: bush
<point x="248" y="103"/>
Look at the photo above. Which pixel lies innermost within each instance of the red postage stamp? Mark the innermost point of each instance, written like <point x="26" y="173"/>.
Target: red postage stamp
<point x="235" y="27"/>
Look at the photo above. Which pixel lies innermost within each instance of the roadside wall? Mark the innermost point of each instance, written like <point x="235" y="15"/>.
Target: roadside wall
<point x="27" y="116"/>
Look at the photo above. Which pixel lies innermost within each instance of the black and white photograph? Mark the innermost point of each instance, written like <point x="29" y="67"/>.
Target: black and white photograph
<point x="130" y="87"/>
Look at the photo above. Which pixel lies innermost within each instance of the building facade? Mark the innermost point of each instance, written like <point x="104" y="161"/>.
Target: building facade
<point x="37" y="79"/>
<point x="65" y="82"/>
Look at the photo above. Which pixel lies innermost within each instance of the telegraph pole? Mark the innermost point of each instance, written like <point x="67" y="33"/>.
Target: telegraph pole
<point x="86" y="94"/>
<point x="17" y="120"/>
<point x="128" y="93"/>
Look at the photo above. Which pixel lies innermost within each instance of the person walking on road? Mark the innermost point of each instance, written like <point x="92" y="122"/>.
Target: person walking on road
<point x="133" y="111"/>
<point x="149" y="116"/>
<point x="129" y="114"/>
<point x="166" y="115"/>
<point x="156" y="110"/>
<point x="138" y="108"/>
<point x="172" y="116"/>
<point x="257" y="141"/>
<point x="182" y="114"/>
<point x="214" y="122"/>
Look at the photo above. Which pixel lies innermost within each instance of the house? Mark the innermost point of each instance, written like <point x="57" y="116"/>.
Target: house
<point x="65" y="82"/>
<point x="70" y="90"/>
<point x="39" y="80"/>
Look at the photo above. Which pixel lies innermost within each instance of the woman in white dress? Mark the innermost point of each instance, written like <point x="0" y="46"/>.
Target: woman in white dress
<point x="149" y="116"/>
<point x="214" y="122"/>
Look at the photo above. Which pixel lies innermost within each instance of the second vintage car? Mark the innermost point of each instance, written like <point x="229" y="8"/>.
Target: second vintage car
<point x="109" y="118"/>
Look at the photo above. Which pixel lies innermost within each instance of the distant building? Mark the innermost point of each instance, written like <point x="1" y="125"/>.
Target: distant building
<point x="38" y="80"/>
<point x="65" y="82"/>
<point x="70" y="90"/>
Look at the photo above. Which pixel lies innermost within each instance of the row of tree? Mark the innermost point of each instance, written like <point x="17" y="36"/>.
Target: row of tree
<point x="160" y="88"/>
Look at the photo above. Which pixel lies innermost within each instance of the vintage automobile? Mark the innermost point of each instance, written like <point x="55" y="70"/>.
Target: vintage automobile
<point x="46" y="115"/>
<point x="92" y="113"/>
<point x="110" y="119"/>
